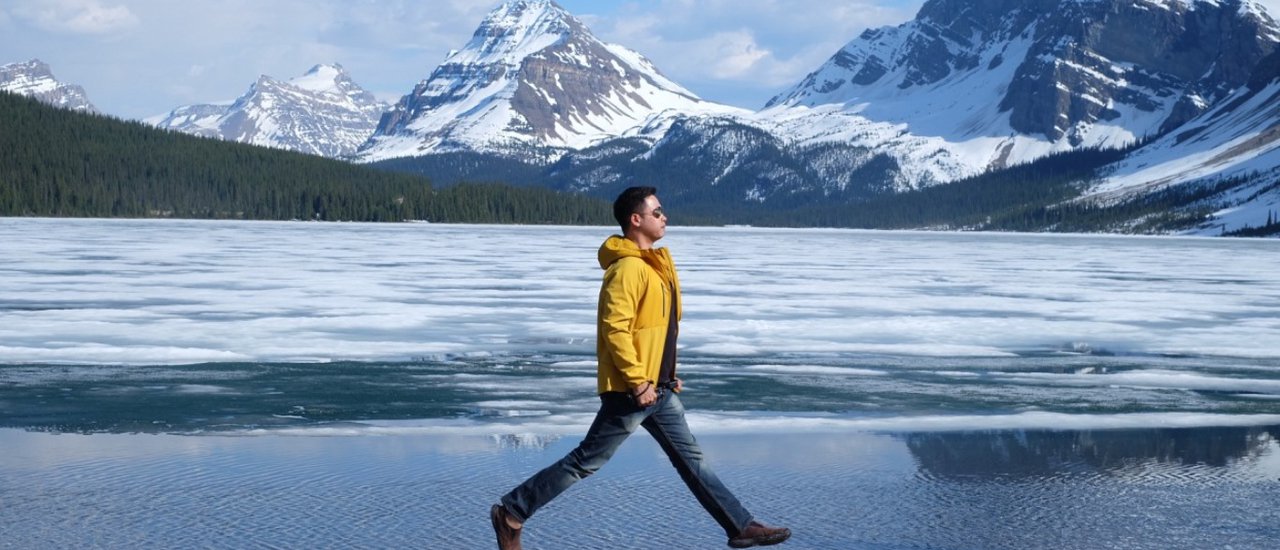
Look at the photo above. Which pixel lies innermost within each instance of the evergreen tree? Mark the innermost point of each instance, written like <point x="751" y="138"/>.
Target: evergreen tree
<point x="55" y="162"/>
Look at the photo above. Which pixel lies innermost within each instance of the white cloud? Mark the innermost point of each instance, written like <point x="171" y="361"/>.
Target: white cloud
<point x="743" y="52"/>
<point x="75" y="16"/>
<point x="738" y="53"/>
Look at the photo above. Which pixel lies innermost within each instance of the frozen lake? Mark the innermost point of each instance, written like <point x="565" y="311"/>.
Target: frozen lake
<point x="942" y="390"/>
<point x="167" y="292"/>
<point x="798" y="329"/>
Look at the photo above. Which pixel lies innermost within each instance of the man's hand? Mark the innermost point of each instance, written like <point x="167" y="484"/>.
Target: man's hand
<point x="645" y="395"/>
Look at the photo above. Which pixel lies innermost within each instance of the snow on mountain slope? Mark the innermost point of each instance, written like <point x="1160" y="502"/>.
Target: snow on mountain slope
<point x="35" y="79"/>
<point x="531" y="83"/>
<point x="200" y="119"/>
<point x="1237" y="140"/>
<point x="986" y="85"/>
<point x="322" y="112"/>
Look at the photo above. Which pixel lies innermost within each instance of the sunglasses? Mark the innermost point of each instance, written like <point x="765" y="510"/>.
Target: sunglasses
<point x="656" y="212"/>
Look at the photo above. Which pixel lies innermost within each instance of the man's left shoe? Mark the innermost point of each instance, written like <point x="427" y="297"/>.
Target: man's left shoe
<point x="508" y="536"/>
<point x="757" y="534"/>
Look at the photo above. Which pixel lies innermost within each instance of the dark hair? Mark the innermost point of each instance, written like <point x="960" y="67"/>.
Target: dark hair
<point x="627" y="203"/>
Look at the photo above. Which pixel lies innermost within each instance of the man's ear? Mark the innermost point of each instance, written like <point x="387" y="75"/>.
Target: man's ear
<point x="636" y="219"/>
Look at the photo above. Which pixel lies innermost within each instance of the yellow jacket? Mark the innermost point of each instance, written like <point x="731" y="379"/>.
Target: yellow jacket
<point x="634" y="313"/>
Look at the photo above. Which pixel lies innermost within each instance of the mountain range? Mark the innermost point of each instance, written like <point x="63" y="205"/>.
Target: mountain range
<point x="532" y="83"/>
<point x="1002" y="82"/>
<point x="34" y="78"/>
<point x="1187" y="87"/>
<point x="323" y="112"/>
<point x="963" y="89"/>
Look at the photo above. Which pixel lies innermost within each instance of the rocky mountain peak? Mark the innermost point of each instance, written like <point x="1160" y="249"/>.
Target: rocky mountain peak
<point x="322" y="78"/>
<point x="518" y="28"/>
<point x="1069" y="72"/>
<point x="35" y="79"/>
<point x="532" y="82"/>
<point x="322" y="112"/>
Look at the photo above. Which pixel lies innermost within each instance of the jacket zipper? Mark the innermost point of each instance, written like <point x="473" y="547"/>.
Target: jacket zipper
<point x="666" y="309"/>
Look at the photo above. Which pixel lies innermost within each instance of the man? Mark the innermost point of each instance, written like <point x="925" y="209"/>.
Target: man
<point x="636" y="351"/>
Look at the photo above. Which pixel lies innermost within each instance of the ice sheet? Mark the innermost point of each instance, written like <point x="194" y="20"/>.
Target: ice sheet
<point x="176" y="292"/>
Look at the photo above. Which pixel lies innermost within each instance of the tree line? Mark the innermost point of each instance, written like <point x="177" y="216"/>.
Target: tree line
<point x="58" y="163"/>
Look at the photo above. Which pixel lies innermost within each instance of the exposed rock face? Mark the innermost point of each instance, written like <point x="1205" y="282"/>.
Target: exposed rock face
<point x="35" y="79"/>
<point x="322" y="113"/>
<point x="532" y="83"/>
<point x="1266" y="72"/>
<point x="1139" y="54"/>
<point x="1144" y="65"/>
<point x="1228" y="156"/>
<point x="587" y="90"/>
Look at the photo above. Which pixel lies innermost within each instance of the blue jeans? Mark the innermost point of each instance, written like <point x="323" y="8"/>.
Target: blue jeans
<point x="617" y="419"/>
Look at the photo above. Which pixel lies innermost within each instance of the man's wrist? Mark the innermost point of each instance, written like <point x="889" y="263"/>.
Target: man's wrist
<point x="639" y="390"/>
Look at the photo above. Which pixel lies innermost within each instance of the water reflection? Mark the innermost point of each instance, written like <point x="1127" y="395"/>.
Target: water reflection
<point x="1042" y="453"/>
<point x="524" y="441"/>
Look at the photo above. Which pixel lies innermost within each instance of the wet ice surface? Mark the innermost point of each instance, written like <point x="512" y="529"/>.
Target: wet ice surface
<point x="376" y="386"/>
<point x="1133" y="489"/>
<point x="555" y="395"/>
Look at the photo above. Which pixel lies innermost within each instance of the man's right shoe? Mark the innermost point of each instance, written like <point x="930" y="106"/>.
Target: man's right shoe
<point x="508" y="536"/>
<point x="757" y="534"/>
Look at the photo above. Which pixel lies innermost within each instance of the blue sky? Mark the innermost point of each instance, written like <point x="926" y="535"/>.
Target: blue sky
<point x="138" y="58"/>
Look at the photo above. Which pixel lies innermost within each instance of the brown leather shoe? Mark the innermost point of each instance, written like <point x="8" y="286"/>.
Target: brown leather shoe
<point x="757" y="534"/>
<point x="508" y="536"/>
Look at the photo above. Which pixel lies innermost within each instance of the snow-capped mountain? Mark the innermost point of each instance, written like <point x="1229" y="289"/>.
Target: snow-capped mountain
<point x="964" y="89"/>
<point x="532" y="83"/>
<point x="1229" y="156"/>
<point x="971" y="86"/>
<point x="35" y="79"/>
<point x="200" y="119"/>
<point x="322" y="112"/>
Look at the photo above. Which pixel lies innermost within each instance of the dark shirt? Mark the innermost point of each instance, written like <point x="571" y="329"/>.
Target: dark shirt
<point x="668" y="371"/>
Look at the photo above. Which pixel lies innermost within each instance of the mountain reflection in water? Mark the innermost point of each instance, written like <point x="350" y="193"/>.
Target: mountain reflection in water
<point x="1041" y="453"/>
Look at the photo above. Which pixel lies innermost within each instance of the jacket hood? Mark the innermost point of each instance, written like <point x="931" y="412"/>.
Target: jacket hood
<point x="618" y="247"/>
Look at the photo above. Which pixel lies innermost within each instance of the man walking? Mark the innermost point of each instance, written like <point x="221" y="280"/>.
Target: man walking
<point x="637" y="325"/>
